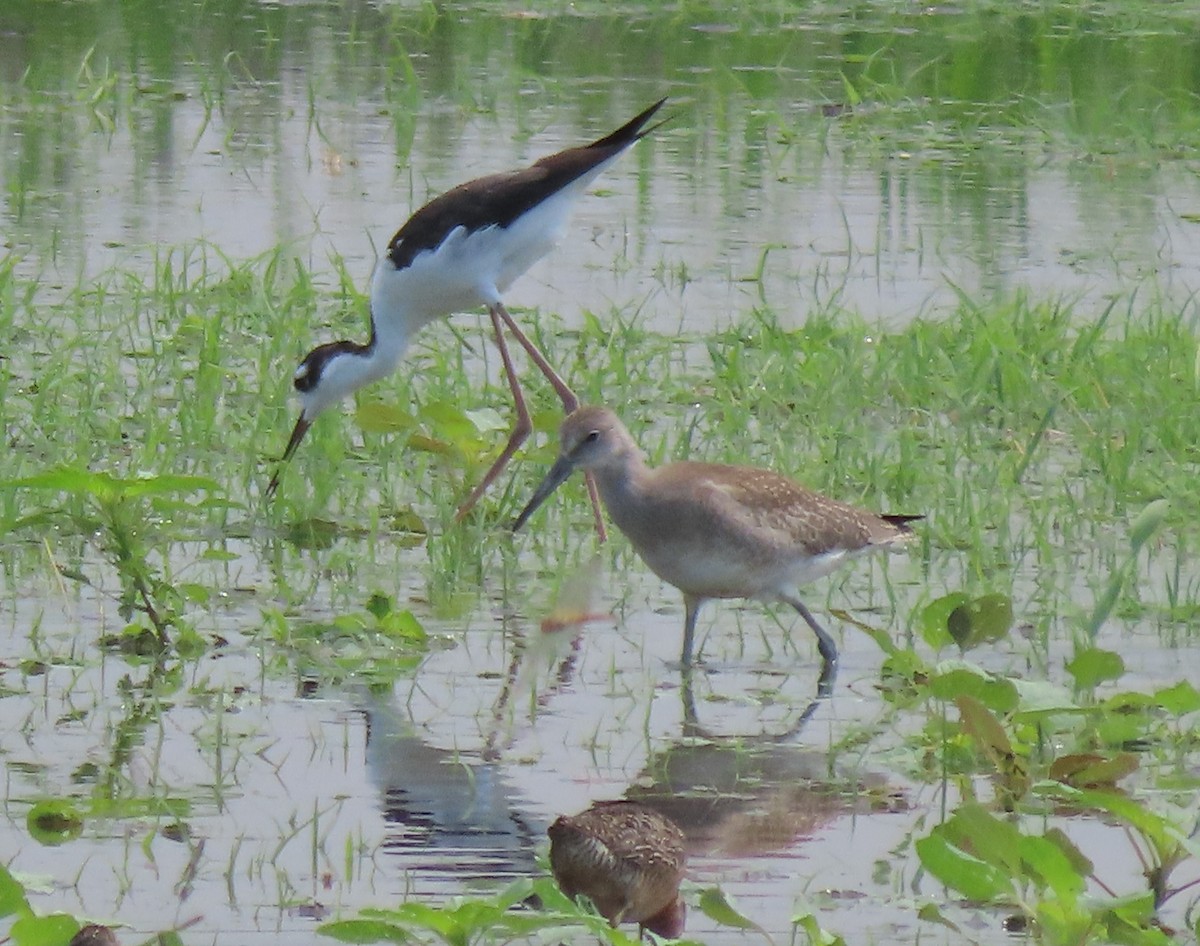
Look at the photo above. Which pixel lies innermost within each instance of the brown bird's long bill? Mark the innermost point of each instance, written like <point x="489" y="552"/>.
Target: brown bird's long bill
<point x="298" y="433"/>
<point x="559" y="473"/>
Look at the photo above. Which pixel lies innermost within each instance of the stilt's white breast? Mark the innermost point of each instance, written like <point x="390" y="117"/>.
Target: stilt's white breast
<point x="470" y="269"/>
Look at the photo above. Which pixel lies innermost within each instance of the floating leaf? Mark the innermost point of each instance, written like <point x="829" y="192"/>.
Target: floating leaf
<point x="54" y="822"/>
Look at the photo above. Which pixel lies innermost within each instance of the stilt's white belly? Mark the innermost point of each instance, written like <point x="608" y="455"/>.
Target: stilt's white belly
<point x="470" y="269"/>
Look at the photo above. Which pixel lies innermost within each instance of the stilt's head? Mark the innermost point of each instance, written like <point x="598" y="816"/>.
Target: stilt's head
<point x="327" y="374"/>
<point x="592" y="438"/>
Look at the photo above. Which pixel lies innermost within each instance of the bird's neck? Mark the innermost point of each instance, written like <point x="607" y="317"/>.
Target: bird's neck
<point x="622" y="488"/>
<point x="383" y="352"/>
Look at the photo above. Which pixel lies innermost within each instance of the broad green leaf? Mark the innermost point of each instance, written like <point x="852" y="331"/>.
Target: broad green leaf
<point x="951" y="680"/>
<point x="52" y="930"/>
<point x="716" y="905"/>
<point x="364" y="931"/>
<point x="977" y="831"/>
<point x="958" y="870"/>
<point x="379" y="418"/>
<point x="1088" y="770"/>
<point x="54" y="821"/>
<point x="487" y="420"/>
<point x="1179" y="699"/>
<point x="12" y="895"/>
<point x="1040" y="697"/>
<point x="979" y="723"/>
<point x="1045" y="861"/>
<point x="980" y="620"/>
<point x="1093" y="665"/>
<point x="813" y="931"/>
<point x="935" y="617"/>
<point x="1078" y="859"/>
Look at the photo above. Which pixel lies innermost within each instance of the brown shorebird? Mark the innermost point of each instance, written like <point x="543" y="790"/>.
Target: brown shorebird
<point x="94" y="935"/>
<point x="462" y="250"/>
<point x="627" y="859"/>
<point x="718" y="531"/>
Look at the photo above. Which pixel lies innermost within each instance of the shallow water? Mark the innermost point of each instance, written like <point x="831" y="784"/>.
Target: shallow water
<point x="770" y="182"/>
<point x="983" y="157"/>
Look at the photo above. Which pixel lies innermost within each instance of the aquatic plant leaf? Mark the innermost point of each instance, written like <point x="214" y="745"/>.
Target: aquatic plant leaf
<point x="12" y="895"/>
<point x="1179" y="699"/>
<point x="932" y="913"/>
<point x="935" y="618"/>
<point x="813" y="930"/>
<point x="955" y="868"/>
<point x="715" y="904"/>
<point x="982" y="725"/>
<point x="364" y="931"/>
<point x="951" y="680"/>
<point x="1133" y="919"/>
<point x="1153" y="827"/>
<point x="1041" y="697"/>
<point x="1046" y="863"/>
<point x="1093" y="665"/>
<point x="450" y="422"/>
<point x="379" y="418"/>
<point x="1088" y="770"/>
<point x="52" y="930"/>
<point x="977" y="831"/>
<point x="1012" y="769"/>
<point x="54" y="821"/>
<point x="1081" y="862"/>
<point x="981" y="620"/>
<point x="1147" y="523"/>
<point x="487" y="420"/>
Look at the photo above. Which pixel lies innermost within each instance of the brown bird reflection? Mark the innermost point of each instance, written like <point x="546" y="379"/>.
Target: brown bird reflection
<point x="627" y="859"/>
<point x="742" y="796"/>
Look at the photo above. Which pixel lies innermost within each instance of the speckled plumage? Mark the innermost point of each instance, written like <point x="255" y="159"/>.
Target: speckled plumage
<point x="715" y="530"/>
<point x="627" y="859"/>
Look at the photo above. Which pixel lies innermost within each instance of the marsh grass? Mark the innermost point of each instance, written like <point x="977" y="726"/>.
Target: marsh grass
<point x="1029" y="433"/>
<point x="1049" y="446"/>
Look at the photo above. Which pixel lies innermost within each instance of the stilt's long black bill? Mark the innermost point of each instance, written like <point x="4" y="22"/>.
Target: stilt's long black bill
<point x="298" y="433"/>
<point x="558" y="474"/>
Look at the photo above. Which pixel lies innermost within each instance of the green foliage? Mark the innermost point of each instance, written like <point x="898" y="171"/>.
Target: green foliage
<point x="526" y="908"/>
<point x="121" y="514"/>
